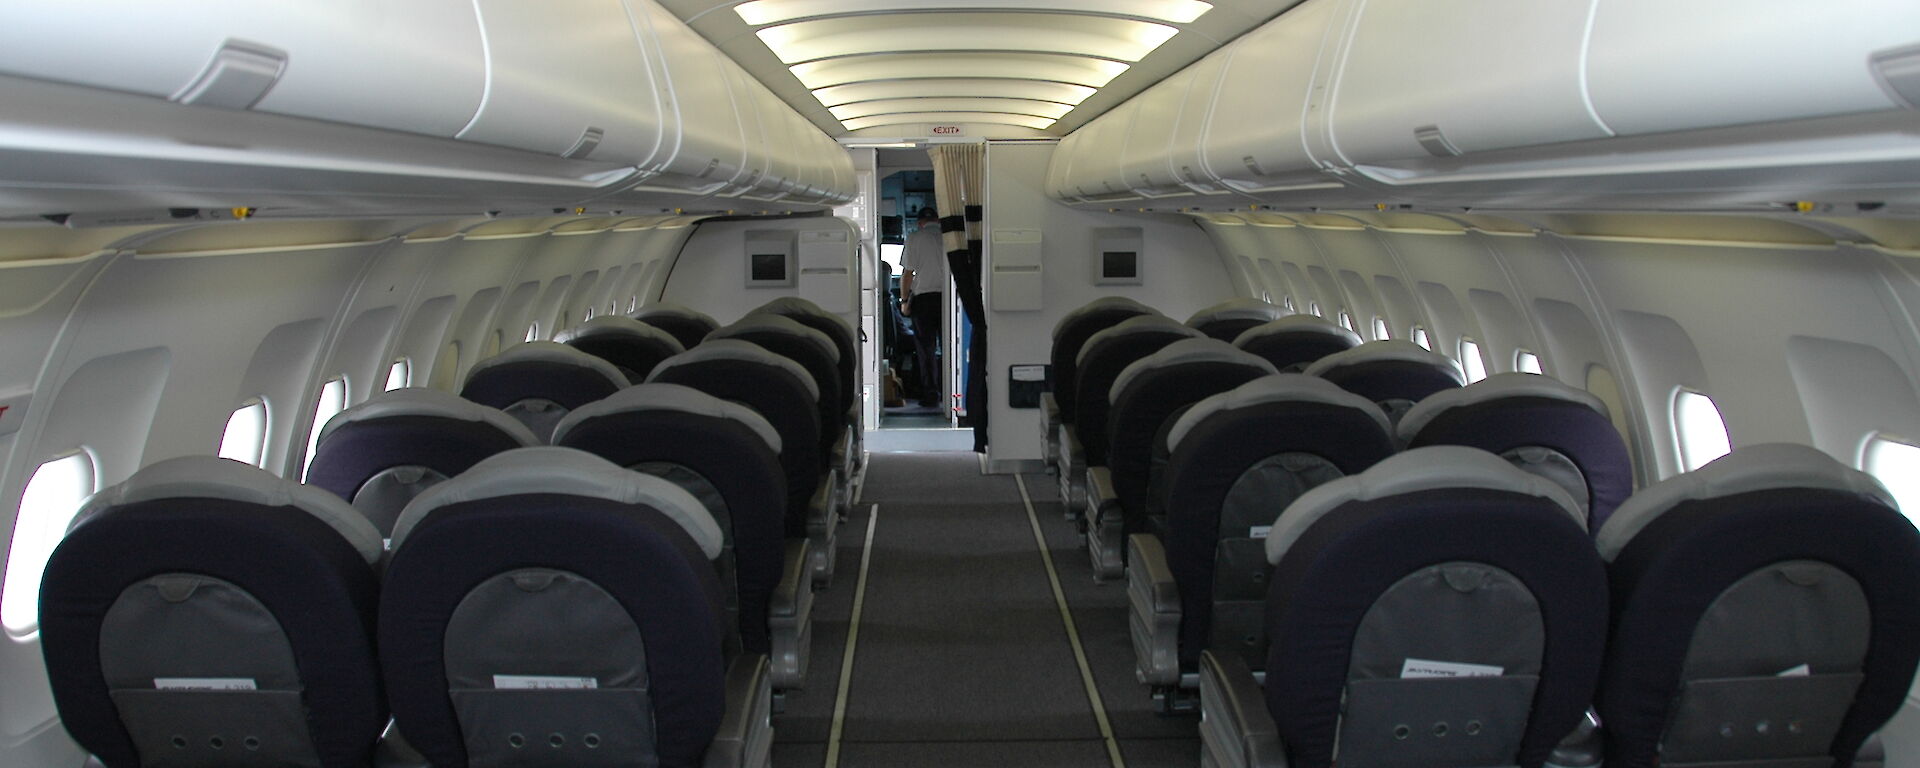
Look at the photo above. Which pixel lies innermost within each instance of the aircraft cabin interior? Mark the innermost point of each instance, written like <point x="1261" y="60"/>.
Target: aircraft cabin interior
<point x="954" y="383"/>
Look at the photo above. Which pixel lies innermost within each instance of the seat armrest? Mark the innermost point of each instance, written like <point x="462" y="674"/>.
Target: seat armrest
<point x="1049" y="413"/>
<point x="790" y="617"/>
<point x="1106" y="526"/>
<point x="1100" y="492"/>
<point x="1236" y="729"/>
<point x="1153" y="612"/>
<point x="823" y="525"/>
<point x="745" y="738"/>
<point x="820" y="508"/>
<point x="785" y="603"/>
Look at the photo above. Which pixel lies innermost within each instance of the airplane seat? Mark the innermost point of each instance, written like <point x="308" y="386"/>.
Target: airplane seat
<point x="630" y="345"/>
<point x="728" y="457"/>
<point x="815" y="352"/>
<point x="206" y="612"/>
<point x="1539" y="424"/>
<point x="1294" y="342"/>
<point x="1395" y="374"/>
<point x="1235" y="458"/>
<point x="1766" y="613"/>
<point x="1144" y="396"/>
<point x="1101" y="360"/>
<point x="850" y="450"/>
<point x="551" y="608"/>
<point x="687" y="326"/>
<point x="1441" y="609"/>
<point x="382" y="453"/>
<point x="1228" y="319"/>
<point x="1069" y="336"/>
<point x="537" y="382"/>
<point x="783" y="393"/>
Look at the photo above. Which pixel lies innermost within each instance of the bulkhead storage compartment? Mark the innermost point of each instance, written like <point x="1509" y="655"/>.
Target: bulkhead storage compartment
<point x="704" y="147"/>
<point x="416" y="66"/>
<point x="1144" y="165"/>
<point x="1253" y="139"/>
<point x="1655" y="65"/>
<point x="1096" y="174"/>
<point x="568" y="78"/>
<point x="1421" y="80"/>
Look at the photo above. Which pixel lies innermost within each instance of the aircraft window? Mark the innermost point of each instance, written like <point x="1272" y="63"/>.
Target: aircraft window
<point x="1470" y="360"/>
<point x="589" y="314"/>
<point x="1380" y="331"/>
<point x="1527" y="362"/>
<point x="533" y="332"/>
<point x="1700" y="430"/>
<point x="333" y="400"/>
<point x="1897" y="466"/>
<point x="1346" y="321"/>
<point x="1315" y="309"/>
<point x="1287" y="301"/>
<point x="446" y="366"/>
<point x="633" y="303"/>
<point x="1266" y="297"/>
<point x="400" y="374"/>
<point x="52" y="496"/>
<point x="246" y="437"/>
<point x="1420" y="337"/>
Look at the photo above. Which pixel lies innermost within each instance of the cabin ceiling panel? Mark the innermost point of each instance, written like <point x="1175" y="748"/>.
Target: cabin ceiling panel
<point x="1021" y="64"/>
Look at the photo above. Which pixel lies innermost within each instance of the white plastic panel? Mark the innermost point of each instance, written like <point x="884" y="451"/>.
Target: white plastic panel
<point x="705" y="147"/>
<point x="1656" y="65"/>
<point x="1061" y="166"/>
<point x="1253" y="137"/>
<point x="758" y="160"/>
<point x="561" y="71"/>
<point x="1096" y="173"/>
<point x="1144" y="165"/>
<point x="1185" y="159"/>
<point x="1466" y="77"/>
<point x="415" y="66"/>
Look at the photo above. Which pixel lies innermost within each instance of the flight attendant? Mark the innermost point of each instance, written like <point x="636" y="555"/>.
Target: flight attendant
<point x="924" y="264"/>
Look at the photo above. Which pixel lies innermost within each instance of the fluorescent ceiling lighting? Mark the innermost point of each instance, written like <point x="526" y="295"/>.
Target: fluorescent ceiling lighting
<point x="763" y="12"/>
<point x="1070" y="95"/>
<point x="1107" y="38"/>
<point x="941" y="104"/>
<point x="881" y="145"/>
<point x="1076" y="70"/>
<point x="1027" y="121"/>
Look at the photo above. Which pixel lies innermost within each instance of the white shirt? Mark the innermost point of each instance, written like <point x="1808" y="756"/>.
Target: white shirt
<point x="928" y="260"/>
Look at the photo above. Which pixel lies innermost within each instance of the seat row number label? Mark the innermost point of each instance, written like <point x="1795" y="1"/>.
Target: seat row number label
<point x="205" y="684"/>
<point x="539" y="683"/>
<point x="1424" y="668"/>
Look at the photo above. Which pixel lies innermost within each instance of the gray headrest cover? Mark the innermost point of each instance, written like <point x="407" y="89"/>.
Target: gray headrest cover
<point x="615" y="325"/>
<point x="1201" y="350"/>
<point x="1133" y="325"/>
<point x="208" y="477"/>
<point x="1496" y="387"/>
<point x="1243" y="308"/>
<point x="783" y="325"/>
<point x="1102" y="303"/>
<point x="564" y="471"/>
<point x="1381" y="351"/>
<point x="1280" y="387"/>
<point x="1304" y="325"/>
<point x="421" y="401"/>
<point x="671" y="309"/>
<point x="794" y="306"/>
<point x="735" y="349"/>
<point x="551" y="352"/>
<point x="670" y="397"/>
<point x="1421" y="469"/>
<point x="1753" y="468"/>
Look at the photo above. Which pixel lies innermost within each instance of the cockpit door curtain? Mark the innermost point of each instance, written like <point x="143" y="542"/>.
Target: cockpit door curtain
<point x="958" y="171"/>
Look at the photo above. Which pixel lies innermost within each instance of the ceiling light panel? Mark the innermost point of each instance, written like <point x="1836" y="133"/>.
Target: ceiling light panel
<point x="1076" y="70"/>
<point x="1045" y="109"/>
<point x="763" y="12"/>
<point x="1027" y="121"/>
<point x="985" y="89"/>
<point x="1107" y="38"/>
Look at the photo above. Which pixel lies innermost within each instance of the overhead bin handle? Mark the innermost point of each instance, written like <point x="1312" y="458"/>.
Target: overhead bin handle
<point x="1898" y="70"/>
<point x="238" y="77"/>
<point x="1435" y="141"/>
<point x="589" y="139"/>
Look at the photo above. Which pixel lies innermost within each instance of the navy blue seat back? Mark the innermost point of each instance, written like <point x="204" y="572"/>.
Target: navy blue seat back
<point x="1148" y="392"/>
<point x="1294" y="342"/>
<point x="630" y="345"/>
<point x="539" y="381"/>
<point x="1104" y="357"/>
<point x="1071" y="334"/>
<point x="814" y="351"/>
<point x="818" y="318"/>
<point x="1395" y="374"/>
<point x="687" y="326"/>
<point x="773" y="386"/>
<point x="1228" y="319"/>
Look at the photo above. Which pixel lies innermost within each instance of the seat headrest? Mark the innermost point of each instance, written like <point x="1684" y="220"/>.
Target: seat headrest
<point x="1386" y="350"/>
<point x="1186" y="351"/>
<point x="1103" y="303"/>
<point x="786" y="326"/>
<point x="1301" y="325"/>
<point x="740" y="351"/>
<point x="1243" y="308"/>
<point x="1280" y="387"/>
<point x="670" y="397"/>
<point x="208" y="477"/>
<point x="669" y="308"/>
<point x="609" y="326"/>
<point x="1769" y="466"/>
<point x="794" y="306"/>
<point x="550" y="352"/>
<point x="1421" y="469"/>
<point x="568" y="472"/>
<point x="1499" y="386"/>
<point x="421" y="401"/>
<point x="1136" y="325"/>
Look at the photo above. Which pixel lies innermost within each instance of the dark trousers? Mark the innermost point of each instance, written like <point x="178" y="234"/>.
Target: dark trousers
<point x="926" y="311"/>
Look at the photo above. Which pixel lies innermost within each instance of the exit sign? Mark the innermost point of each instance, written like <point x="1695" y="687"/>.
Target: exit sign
<point x="948" y="130"/>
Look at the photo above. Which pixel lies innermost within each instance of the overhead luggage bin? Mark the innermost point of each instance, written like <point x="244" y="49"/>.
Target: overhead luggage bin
<point x="1060" y="168"/>
<point x="1186" y="159"/>
<point x="1144" y="165"/>
<point x="753" y="138"/>
<point x="704" y="147"/>
<point x="1422" y="80"/>
<point x="553" y="72"/>
<point x="417" y="66"/>
<point x="1253" y="140"/>
<point x="1095" y="173"/>
<point x="1652" y="66"/>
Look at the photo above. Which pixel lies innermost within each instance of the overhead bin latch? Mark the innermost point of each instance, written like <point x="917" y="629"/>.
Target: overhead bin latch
<point x="1435" y="141"/>
<point x="589" y="139"/>
<point x="1898" y="70"/>
<point x="238" y="77"/>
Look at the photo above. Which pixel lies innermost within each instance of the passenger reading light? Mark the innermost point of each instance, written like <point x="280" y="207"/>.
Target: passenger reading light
<point x="1527" y="362"/>
<point x="52" y="496"/>
<point x="246" y="437"/>
<point x="1420" y="338"/>
<point x="1470" y="360"/>
<point x="1897" y="466"/>
<point x="1701" y="432"/>
<point x="1380" y="331"/>
<point x="333" y="400"/>
<point x="400" y="374"/>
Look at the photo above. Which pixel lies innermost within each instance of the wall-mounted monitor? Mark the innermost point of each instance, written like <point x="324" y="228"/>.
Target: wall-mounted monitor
<point x="770" y="259"/>
<point x="1118" y="257"/>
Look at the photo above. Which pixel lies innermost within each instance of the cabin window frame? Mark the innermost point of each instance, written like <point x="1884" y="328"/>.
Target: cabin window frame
<point x="1473" y="362"/>
<point x="403" y="366"/>
<point x="336" y="395"/>
<point x="44" y="514"/>
<point x="1692" y="439"/>
<point x="228" y="449"/>
<point x="1521" y="358"/>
